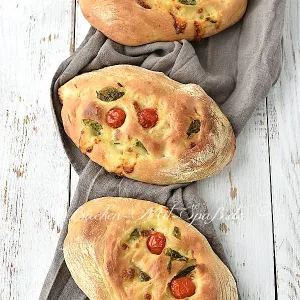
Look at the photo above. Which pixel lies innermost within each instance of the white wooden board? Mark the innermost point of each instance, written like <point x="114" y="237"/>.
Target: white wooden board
<point x="239" y="199"/>
<point x="284" y="125"/>
<point x="34" y="172"/>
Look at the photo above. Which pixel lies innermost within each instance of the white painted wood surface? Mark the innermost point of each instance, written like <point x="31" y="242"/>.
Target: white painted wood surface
<point x="34" y="171"/>
<point x="284" y="124"/>
<point x="259" y="192"/>
<point x="239" y="198"/>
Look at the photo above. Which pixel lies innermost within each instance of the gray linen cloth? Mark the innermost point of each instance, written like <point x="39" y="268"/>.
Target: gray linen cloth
<point x="236" y="68"/>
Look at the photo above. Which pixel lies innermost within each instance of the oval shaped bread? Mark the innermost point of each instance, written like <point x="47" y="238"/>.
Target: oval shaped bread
<point x="191" y="139"/>
<point x="138" y="22"/>
<point x="106" y="252"/>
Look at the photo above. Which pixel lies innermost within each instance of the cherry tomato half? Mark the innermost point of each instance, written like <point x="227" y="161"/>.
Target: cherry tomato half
<point x="183" y="287"/>
<point x="156" y="243"/>
<point x="115" y="117"/>
<point x="148" y="117"/>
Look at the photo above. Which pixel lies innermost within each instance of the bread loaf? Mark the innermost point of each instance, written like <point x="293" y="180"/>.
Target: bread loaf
<point x="138" y="22"/>
<point x="127" y="249"/>
<point x="145" y="126"/>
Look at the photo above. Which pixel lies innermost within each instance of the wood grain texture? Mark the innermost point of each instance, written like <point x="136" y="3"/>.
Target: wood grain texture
<point x="239" y="200"/>
<point x="284" y="137"/>
<point x="34" y="172"/>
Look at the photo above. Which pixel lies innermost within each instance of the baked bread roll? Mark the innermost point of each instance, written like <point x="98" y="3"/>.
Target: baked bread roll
<point x="145" y="126"/>
<point x="127" y="249"/>
<point x="138" y="22"/>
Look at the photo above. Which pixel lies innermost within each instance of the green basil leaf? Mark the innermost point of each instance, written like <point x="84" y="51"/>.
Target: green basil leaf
<point x="135" y="234"/>
<point x="174" y="255"/>
<point x="143" y="276"/>
<point x="94" y="126"/>
<point x="109" y="94"/>
<point x="141" y="145"/>
<point x="188" y="2"/>
<point x="177" y="233"/>
<point x="185" y="272"/>
<point x="194" y="127"/>
<point x="170" y="266"/>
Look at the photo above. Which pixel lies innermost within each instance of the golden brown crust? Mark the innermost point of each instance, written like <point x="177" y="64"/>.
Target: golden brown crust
<point x="138" y="22"/>
<point x="102" y="267"/>
<point x="164" y="154"/>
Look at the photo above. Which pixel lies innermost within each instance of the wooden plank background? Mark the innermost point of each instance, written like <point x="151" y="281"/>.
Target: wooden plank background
<point x="284" y="137"/>
<point x="255" y="200"/>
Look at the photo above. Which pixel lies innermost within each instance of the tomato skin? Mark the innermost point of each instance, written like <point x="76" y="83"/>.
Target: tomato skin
<point x="156" y="243"/>
<point x="182" y="287"/>
<point x="148" y="117"/>
<point x="115" y="117"/>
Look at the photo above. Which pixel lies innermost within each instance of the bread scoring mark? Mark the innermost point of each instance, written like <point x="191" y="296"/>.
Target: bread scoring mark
<point x="179" y="24"/>
<point x="143" y="4"/>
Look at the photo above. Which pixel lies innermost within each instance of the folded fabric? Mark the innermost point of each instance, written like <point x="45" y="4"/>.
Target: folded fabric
<point x="236" y="68"/>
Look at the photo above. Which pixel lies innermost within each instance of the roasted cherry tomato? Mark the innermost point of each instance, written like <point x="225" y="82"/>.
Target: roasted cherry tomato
<point x="115" y="117"/>
<point x="156" y="243"/>
<point x="148" y="117"/>
<point x="183" y="287"/>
